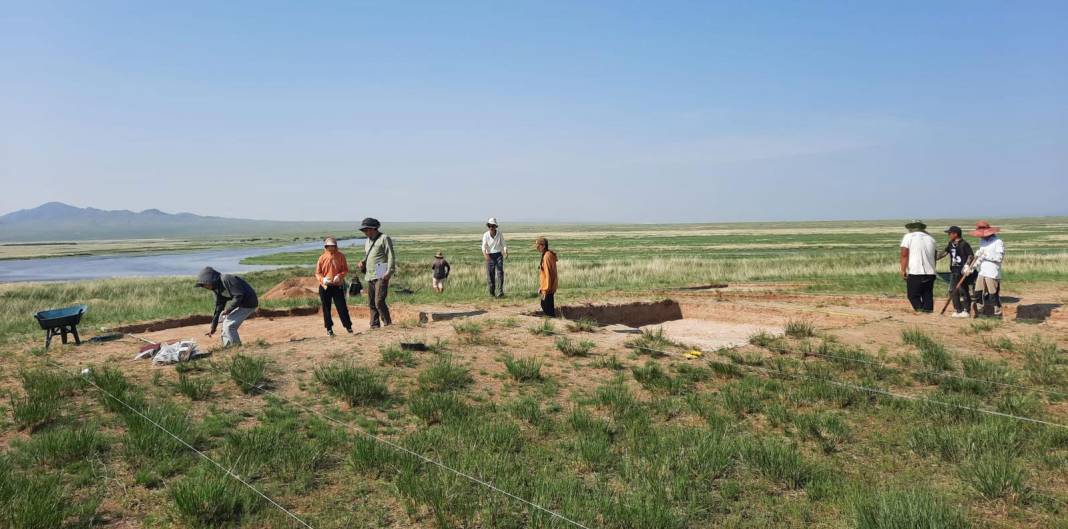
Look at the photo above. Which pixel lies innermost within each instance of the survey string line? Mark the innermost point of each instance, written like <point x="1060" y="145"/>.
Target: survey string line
<point x="421" y="457"/>
<point x="936" y="373"/>
<point x="878" y="391"/>
<point x="228" y="472"/>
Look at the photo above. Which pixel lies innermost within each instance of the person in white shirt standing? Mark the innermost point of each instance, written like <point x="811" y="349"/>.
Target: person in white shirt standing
<point x="918" y="266"/>
<point x="988" y="262"/>
<point x="494" y="249"/>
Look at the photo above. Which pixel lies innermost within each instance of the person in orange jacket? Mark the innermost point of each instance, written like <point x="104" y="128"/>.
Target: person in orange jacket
<point x="330" y="271"/>
<point x="547" y="279"/>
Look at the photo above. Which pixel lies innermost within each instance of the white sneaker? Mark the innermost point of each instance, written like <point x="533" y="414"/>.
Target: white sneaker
<point x="962" y="314"/>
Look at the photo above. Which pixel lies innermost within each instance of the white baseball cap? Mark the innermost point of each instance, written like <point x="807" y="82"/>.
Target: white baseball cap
<point x="492" y="221"/>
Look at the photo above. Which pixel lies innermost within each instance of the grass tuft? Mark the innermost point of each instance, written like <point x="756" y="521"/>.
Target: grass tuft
<point x="444" y="375"/>
<point x="778" y="461"/>
<point x="651" y="340"/>
<point x="523" y="369"/>
<point x="932" y="353"/>
<point x="582" y="325"/>
<point x="1043" y="361"/>
<point x="545" y="328"/>
<point x="394" y="355"/>
<point x="249" y="373"/>
<point x="357" y="385"/>
<point x="572" y="348"/>
<point x="207" y="498"/>
<point x="905" y="508"/>
<point x="800" y="329"/>
<point x="438" y="407"/>
<point x="194" y="388"/>
<point x="995" y="476"/>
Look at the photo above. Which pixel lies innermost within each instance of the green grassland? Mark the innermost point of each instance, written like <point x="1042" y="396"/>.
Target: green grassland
<point x="847" y="257"/>
<point x="838" y="257"/>
<point x="745" y="438"/>
<point x="772" y="434"/>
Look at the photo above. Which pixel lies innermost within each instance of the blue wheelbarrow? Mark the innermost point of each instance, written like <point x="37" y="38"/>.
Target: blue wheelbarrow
<point x="61" y="322"/>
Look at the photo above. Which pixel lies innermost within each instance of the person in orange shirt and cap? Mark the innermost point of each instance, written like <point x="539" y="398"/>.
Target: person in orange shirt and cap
<point x="547" y="278"/>
<point x="331" y="271"/>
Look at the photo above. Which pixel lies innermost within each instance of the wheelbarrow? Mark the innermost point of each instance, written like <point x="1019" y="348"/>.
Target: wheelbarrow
<point x="61" y="322"/>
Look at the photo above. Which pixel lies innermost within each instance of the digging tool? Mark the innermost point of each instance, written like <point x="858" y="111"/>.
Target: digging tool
<point x="967" y="271"/>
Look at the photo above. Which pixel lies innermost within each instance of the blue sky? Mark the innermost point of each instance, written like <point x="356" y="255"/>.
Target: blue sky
<point x="576" y="111"/>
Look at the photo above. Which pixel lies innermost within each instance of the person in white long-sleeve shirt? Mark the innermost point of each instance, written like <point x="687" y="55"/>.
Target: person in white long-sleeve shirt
<point x="494" y="249"/>
<point x="988" y="261"/>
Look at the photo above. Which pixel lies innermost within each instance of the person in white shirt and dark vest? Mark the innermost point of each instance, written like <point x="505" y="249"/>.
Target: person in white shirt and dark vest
<point x="988" y="262"/>
<point x="495" y="250"/>
<point x="918" y="266"/>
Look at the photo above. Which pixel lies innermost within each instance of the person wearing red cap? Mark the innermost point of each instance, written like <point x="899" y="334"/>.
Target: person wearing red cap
<point x="988" y="261"/>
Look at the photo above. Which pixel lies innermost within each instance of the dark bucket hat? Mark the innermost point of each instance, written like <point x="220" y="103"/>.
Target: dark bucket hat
<point x="369" y="223"/>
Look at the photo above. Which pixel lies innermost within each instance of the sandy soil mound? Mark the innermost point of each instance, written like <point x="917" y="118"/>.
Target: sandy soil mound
<point x="293" y="288"/>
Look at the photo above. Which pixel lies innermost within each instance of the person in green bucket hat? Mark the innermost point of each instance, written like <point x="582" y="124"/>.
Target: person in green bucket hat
<point x="918" y="251"/>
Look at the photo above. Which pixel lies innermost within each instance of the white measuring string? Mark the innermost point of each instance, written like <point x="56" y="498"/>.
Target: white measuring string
<point x="194" y="449"/>
<point x="897" y="395"/>
<point x="879" y="391"/>
<point x="936" y="373"/>
<point x="414" y="454"/>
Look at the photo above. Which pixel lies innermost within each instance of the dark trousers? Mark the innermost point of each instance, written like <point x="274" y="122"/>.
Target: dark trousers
<point x="335" y="295"/>
<point x="548" y="305"/>
<point x="495" y="274"/>
<point x="377" y="291"/>
<point x="962" y="302"/>
<point x="920" y="290"/>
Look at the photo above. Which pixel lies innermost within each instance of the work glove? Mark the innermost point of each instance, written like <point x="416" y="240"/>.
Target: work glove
<point x="326" y="281"/>
<point x="335" y="279"/>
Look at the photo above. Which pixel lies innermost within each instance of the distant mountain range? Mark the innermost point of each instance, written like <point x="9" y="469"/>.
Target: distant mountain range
<point x="56" y="221"/>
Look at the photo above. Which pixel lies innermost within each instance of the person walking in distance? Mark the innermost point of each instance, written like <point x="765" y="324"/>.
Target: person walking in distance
<point x="547" y="278"/>
<point x="441" y="270"/>
<point x="330" y="271"/>
<point x="235" y="300"/>
<point x="378" y="265"/>
<point x="960" y="255"/>
<point x="988" y="261"/>
<point x="918" y="266"/>
<point x="495" y="251"/>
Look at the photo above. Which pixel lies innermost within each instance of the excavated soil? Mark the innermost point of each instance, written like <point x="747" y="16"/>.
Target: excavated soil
<point x="293" y="288"/>
<point x="635" y="314"/>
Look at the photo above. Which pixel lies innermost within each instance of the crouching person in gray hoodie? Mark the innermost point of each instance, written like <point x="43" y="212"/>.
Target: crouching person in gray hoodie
<point x="234" y="301"/>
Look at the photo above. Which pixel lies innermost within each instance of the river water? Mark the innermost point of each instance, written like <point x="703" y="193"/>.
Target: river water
<point x="145" y="265"/>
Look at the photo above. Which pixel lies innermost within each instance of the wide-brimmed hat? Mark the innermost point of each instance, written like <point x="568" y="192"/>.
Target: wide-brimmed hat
<point x="439" y="255"/>
<point x="330" y="241"/>
<point x="983" y="229"/>
<point x="916" y="225"/>
<point x="492" y="221"/>
<point x="370" y="223"/>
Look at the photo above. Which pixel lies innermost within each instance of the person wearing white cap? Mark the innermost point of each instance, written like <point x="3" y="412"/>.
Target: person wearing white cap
<point x="495" y="251"/>
<point x="330" y="272"/>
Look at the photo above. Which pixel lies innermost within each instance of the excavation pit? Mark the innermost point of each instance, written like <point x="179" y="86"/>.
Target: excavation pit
<point x="697" y="328"/>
